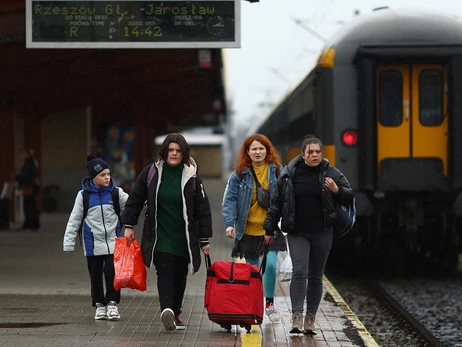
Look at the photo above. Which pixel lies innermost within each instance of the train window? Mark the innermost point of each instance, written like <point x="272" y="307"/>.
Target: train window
<point x="391" y="98"/>
<point x="431" y="91"/>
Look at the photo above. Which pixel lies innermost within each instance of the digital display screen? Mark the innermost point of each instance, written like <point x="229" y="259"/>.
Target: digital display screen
<point x="133" y="24"/>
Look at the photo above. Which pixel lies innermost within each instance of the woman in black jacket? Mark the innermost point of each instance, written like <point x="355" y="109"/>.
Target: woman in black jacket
<point x="178" y="223"/>
<point x="304" y="199"/>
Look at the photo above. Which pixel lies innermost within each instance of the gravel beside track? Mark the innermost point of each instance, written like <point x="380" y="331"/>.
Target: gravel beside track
<point x="435" y="301"/>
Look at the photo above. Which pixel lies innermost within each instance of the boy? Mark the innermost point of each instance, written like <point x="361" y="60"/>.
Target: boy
<point x="95" y="215"/>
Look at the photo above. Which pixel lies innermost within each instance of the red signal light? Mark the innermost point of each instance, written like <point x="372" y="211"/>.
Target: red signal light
<point x="350" y="137"/>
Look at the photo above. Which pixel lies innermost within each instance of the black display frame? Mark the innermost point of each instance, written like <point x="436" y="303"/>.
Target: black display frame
<point x="132" y="24"/>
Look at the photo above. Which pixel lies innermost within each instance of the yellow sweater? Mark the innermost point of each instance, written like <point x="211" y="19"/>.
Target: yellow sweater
<point x="257" y="214"/>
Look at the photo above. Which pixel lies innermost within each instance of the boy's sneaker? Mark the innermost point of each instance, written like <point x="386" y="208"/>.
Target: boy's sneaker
<point x="112" y="311"/>
<point x="168" y="319"/>
<point x="179" y="323"/>
<point x="272" y="313"/>
<point x="100" y="311"/>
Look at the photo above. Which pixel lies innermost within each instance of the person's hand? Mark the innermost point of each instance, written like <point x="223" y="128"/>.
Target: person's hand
<point x="129" y="233"/>
<point x="331" y="185"/>
<point x="230" y="232"/>
<point x="206" y="249"/>
<point x="268" y="239"/>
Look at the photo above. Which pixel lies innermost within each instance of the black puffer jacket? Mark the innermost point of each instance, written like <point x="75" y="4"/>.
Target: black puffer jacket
<point x="283" y="198"/>
<point x="198" y="217"/>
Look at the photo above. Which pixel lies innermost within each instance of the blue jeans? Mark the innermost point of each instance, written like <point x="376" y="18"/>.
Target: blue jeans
<point x="309" y="255"/>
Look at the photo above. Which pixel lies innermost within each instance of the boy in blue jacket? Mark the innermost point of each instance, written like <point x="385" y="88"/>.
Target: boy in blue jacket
<point x="95" y="216"/>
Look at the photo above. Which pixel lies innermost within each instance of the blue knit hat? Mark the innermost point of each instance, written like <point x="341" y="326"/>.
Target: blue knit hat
<point x="95" y="165"/>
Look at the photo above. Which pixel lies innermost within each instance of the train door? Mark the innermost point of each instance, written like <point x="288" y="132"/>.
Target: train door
<point x="412" y="121"/>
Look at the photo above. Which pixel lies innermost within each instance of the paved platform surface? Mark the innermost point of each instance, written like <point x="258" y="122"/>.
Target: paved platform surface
<point x="45" y="300"/>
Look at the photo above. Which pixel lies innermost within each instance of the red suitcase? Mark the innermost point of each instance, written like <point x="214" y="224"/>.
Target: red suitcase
<point x="234" y="293"/>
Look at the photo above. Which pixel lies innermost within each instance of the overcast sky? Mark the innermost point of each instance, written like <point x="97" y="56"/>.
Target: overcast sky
<point x="276" y="52"/>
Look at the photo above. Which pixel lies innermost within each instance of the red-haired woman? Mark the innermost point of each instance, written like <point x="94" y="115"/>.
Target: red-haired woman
<point x="243" y="213"/>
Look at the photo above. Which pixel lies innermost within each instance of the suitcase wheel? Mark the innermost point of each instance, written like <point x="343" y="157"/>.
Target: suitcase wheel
<point x="247" y="327"/>
<point x="226" y="326"/>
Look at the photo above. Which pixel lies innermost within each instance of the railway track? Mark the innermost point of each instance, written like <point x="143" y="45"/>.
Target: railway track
<point x="410" y="312"/>
<point x="414" y="326"/>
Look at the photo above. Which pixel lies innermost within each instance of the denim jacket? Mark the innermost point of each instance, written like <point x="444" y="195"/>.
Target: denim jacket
<point x="238" y="197"/>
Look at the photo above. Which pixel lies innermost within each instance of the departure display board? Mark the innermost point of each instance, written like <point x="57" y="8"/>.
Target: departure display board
<point x="133" y="24"/>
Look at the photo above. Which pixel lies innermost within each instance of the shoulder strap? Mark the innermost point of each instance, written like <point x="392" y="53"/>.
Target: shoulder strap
<point x="330" y="171"/>
<point x="255" y="177"/>
<point x="86" y="202"/>
<point x="151" y="173"/>
<point x="115" y="201"/>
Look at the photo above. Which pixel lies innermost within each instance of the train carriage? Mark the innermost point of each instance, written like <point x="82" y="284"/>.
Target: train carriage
<point x="386" y="99"/>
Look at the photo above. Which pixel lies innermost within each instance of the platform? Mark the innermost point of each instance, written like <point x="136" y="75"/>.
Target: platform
<point x="45" y="300"/>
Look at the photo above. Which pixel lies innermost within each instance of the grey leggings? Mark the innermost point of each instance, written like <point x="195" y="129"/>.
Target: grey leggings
<point x="309" y="255"/>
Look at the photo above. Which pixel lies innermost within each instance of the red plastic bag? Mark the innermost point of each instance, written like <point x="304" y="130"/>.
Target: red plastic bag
<point x="130" y="271"/>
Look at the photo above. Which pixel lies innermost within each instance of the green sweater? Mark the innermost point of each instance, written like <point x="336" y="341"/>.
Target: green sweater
<point x="171" y="232"/>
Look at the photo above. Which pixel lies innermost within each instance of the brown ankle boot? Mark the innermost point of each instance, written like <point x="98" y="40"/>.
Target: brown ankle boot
<point x="297" y="326"/>
<point x="309" y="324"/>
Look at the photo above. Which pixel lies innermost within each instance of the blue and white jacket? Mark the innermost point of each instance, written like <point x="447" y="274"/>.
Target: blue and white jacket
<point x="101" y="225"/>
<point x="238" y="197"/>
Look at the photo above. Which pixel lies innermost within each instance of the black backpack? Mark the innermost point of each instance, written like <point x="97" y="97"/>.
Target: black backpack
<point x="345" y="214"/>
<point x="86" y="202"/>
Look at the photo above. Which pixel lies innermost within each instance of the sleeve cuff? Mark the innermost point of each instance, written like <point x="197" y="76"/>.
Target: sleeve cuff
<point x="204" y="242"/>
<point x="229" y="224"/>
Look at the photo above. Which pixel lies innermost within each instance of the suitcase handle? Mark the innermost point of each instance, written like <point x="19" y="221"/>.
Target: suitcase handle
<point x="208" y="260"/>
<point x="263" y="261"/>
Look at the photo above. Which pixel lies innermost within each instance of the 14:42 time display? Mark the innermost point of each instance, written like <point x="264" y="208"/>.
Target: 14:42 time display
<point x="130" y="31"/>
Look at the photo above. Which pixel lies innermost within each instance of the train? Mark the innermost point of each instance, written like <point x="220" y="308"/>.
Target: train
<point x="385" y="97"/>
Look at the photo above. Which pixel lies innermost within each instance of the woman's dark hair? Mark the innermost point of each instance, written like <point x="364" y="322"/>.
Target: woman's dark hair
<point x="179" y="139"/>
<point x="311" y="140"/>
